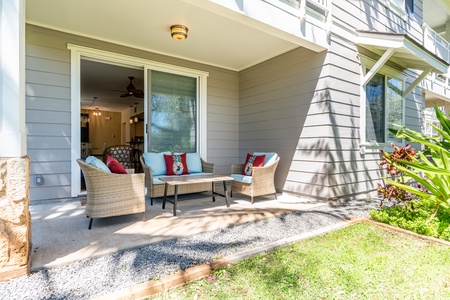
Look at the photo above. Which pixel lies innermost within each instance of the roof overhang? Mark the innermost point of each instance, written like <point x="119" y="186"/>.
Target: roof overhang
<point x="222" y="33"/>
<point x="405" y="51"/>
<point x="402" y="50"/>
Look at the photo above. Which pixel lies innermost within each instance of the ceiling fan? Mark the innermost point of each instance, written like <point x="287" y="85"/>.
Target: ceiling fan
<point x="132" y="91"/>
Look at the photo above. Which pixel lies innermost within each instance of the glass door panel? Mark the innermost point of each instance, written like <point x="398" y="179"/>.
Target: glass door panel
<point x="172" y="112"/>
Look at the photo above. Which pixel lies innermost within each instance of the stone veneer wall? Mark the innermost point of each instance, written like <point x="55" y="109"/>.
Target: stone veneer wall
<point x="15" y="221"/>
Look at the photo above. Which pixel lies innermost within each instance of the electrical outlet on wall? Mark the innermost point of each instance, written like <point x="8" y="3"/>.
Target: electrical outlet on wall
<point x="39" y="180"/>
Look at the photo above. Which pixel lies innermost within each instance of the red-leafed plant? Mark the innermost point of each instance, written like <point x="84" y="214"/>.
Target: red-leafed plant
<point x="392" y="193"/>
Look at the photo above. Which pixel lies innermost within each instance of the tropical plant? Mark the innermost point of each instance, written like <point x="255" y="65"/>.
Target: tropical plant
<point x="431" y="167"/>
<point x="392" y="193"/>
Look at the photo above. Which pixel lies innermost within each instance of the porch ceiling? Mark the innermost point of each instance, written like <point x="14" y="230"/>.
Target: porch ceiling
<point x="217" y="35"/>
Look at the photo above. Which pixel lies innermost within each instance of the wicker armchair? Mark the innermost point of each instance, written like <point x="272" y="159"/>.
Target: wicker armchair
<point x="157" y="190"/>
<point x="262" y="180"/>
<point x="111" y="194"/>
<point x="122" y="153"/>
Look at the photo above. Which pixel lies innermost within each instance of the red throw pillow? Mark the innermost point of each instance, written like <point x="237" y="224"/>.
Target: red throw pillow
<point x="252" y="161"/>
<point x="176" y="164"/>
<point x="115" y="166"/>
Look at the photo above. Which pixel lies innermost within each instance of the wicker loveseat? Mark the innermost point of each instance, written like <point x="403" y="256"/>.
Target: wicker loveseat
<point x="111" y="194"/>
<point x="261" y="182"/>
<point x="155" y="187"/>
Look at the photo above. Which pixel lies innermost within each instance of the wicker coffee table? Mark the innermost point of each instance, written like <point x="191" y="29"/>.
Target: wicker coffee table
<point x="180" y="180"/>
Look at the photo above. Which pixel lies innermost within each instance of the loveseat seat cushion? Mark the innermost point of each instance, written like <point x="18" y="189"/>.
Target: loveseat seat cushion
<point x="242" y="178"/>
<point x="155" y="180"/>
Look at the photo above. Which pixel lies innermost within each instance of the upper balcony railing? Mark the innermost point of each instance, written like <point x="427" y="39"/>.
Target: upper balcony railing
<point x="433" y="42"/>
<point x="296" y="3"/>
<point x="319" y="6"/>
<point x="323" y="3"/>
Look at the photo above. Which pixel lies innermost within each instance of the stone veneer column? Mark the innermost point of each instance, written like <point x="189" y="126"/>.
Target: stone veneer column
<point x="15" y="227"/>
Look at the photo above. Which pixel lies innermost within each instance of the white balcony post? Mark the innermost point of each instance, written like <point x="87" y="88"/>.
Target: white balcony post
<point x="302" y="10"/>
<point x="12" y="78"/>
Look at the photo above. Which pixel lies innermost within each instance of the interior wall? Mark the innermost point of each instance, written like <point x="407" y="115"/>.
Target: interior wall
<point x="104" y="129"/>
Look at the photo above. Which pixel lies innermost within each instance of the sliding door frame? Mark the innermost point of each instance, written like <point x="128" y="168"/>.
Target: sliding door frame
<point x="77" y="53"/>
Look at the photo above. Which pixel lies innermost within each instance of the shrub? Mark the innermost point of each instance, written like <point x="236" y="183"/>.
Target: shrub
<point x="417" y="219"/>
<point x="431" y="169"/>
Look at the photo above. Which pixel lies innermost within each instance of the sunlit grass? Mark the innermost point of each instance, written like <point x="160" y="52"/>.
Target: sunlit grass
<point x="361" y="261"/>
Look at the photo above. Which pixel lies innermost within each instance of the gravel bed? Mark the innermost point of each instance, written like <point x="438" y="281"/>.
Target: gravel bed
<point x="100" y="276"/>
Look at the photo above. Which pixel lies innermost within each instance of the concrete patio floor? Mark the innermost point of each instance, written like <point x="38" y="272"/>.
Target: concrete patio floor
<point x="60" y="234"/>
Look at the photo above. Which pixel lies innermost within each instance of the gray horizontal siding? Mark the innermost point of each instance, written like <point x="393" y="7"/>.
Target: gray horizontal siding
<point x="48" y="116"/>
<point x="50" y="104"/>
<point x="43" y="129"/>
<point x="351" y="173"/>
<point x="306" y="107"/>
<point x="374" y="15"/>
<point x="223" y="119"/>
<point x="48" y="119"/>
<point x="50" y="192"/>
<point x="276" y="101"/>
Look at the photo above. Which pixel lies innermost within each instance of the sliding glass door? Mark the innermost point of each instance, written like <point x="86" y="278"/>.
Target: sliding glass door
<point x="172" y="110"/>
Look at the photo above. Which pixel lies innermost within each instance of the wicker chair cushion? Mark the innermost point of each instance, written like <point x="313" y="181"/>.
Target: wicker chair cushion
<point x="252" y="161"/>
<point x="95" y="162"/>
<point x="155" y="180"/>
<point x="155" y="160"/>
<point x="270" y="157"/>
<point x="115" y="166"/>
<point x="242" y="178"/>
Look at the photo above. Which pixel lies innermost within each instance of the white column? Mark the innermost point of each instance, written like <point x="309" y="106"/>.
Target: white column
<point x="12" y="78"/>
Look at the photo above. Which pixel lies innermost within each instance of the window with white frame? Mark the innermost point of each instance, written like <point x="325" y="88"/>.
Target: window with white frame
<point x="401" y="6"/>
<point x="409" y="7"/>
<point x="384" y="107"/>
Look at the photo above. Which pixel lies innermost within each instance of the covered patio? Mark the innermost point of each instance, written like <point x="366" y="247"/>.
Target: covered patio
<point x="60" y="234"/>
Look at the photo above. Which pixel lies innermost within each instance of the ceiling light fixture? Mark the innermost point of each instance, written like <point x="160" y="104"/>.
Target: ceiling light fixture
<point x="179" y="32"/>
<point x="97" y="112"/>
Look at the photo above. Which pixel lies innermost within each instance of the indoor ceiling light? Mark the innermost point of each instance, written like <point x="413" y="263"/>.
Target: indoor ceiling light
<point x="179" y="32"/>
<point x="97" y="112"/>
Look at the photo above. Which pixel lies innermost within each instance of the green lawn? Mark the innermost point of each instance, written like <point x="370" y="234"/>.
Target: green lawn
<point x="361" y="261"/>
